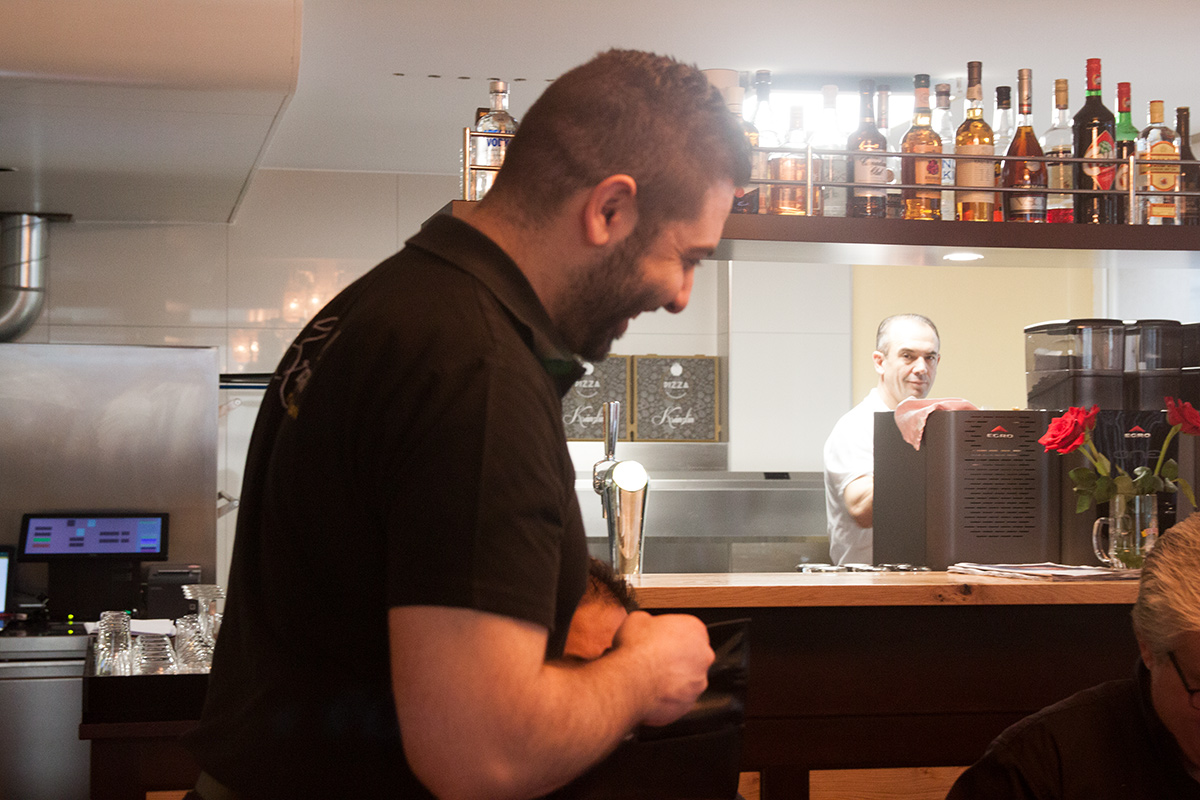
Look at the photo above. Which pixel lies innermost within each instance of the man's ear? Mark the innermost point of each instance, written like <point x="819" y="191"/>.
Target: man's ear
<point x="878" y="357"/>
<point x="610" y="212"/>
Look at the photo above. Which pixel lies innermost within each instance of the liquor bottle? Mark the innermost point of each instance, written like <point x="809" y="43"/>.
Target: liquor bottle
<point x="1158" y="142"/>
<point x="883" y="104"/>
<point x="745" y="198"/>
<point x="1126" y="135"/>
<point x="1189" y="207"/>
<point x="763" y="119"/>
<point x="791" y="164"/>
<point x="868" y="198"/>
<point x="1003" y="127"/>
<point x="1016" y="173"/>
<point x="1094" y="130"/>
<point x="921" y="138"/>
<point x="974" y="138"/>
<point x="943" y="125"/>
<point x="829" y="135"/>
<point x="1057" y="141"/>
<point x="489" y="151"/>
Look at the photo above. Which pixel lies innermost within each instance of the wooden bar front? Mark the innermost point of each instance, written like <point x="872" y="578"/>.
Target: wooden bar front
<point x="854" y="670"/>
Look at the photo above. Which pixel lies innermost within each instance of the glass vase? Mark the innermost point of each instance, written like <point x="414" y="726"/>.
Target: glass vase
<point x="1132" y="530"/>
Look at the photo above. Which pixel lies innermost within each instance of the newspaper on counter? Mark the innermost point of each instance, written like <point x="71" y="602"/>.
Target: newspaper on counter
<point x="1046" y="571"/>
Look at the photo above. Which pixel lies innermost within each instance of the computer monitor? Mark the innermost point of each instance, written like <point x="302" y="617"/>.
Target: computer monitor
<point x="88" y="535"/>
<point x="93" y="558"/>
<point x="6" y="570"/>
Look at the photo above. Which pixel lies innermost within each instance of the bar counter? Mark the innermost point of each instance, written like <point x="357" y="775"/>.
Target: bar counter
<point x="866" y="670"/>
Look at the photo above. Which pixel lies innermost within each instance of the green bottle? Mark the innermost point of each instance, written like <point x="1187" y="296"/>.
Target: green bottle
<point x="1127" y="134"/>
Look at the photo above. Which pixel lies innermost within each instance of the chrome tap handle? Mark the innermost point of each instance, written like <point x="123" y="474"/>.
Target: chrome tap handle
<point x="612" y="420"/>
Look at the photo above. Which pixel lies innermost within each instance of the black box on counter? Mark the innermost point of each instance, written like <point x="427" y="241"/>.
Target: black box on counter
<point x="676" y="399"/>
<point x="140" y="698"/>
<point x="583" y="405"/>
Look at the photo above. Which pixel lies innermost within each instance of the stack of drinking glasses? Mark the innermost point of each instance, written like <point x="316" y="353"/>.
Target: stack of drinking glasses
<point x="196" y="634"/>
<point x="114" y="646"/>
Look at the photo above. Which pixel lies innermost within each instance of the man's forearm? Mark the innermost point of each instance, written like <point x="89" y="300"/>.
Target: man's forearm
<point x="497" y="721"/>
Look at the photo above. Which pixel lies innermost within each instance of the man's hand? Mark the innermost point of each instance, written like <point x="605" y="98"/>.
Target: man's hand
<point x="677" y="645"/>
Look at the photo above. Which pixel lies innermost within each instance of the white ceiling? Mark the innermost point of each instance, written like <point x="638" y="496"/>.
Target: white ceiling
<point x="351" y="111"/>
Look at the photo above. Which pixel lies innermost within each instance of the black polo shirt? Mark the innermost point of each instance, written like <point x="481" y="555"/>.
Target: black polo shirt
<point x="409" y="451"/>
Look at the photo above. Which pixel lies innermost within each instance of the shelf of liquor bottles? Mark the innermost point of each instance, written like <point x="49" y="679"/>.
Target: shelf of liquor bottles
<point x="892" y="241"/>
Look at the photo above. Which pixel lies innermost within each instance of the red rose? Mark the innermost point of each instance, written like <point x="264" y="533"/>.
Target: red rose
<point x="1068" y="432"/>
<point x="1182" y="414"/>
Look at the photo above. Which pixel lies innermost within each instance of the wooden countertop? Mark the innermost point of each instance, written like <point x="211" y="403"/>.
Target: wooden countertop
<point x="775" y="589"/>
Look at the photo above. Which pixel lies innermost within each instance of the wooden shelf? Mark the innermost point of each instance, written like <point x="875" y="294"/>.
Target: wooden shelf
<point x="896" y="242"/>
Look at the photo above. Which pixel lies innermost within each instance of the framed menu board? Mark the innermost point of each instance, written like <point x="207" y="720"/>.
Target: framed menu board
<point x="676" y="398"/>
<point x="583" y="405"/>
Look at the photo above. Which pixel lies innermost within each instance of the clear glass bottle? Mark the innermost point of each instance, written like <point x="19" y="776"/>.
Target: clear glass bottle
<point x="745" y="198"/>
<point x="791" y="164"/>
<point x="1158" y="142"/>
<point x="763" y="120"/>
<point x="943" y="125"/>
<point x="868" y="198"/>
<point x="921" y="138"/>
<point x="974" y="137"/>
<point x="883" y="105"/>
<point x="1094" y="130"/>
<point x="1003" y="127"/>
<point x="1018" y="173"/>
<point x="1189" y="207"/>
<point x="1057" y="141"/>
<point x="490" y="151"/>
<point x="829" y="135"/>
<point x="1126" y="136"/>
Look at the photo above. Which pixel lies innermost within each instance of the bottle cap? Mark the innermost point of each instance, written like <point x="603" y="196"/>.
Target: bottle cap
<point x="1060" y="93"/>
<point x="1156" y="112"/>
<point x="762" y="77"/>
<point x="921" y="81"/>
<point x="1004" y="96"/>
<point x="1093" y="74"/>
<point x="496" y="87"/>
<point x="974" y="79"/>
<point x="1123" y="95"/>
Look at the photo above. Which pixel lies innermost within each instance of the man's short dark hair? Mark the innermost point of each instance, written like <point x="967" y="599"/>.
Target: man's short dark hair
<point x="624" y="112"/>
<point x="606" y="586"/>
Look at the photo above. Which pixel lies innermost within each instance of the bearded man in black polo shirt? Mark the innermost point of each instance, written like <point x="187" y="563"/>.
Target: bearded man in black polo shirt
<point x="409" y="547"/>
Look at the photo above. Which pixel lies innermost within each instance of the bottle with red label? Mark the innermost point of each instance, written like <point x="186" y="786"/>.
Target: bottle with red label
<point x="1094" y="130"/>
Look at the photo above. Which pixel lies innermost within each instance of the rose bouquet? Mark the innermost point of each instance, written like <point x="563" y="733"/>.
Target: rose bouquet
<point x="1099" y="482"/>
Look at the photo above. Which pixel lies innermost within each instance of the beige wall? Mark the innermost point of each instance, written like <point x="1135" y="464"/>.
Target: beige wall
<point x="980" y="313"/>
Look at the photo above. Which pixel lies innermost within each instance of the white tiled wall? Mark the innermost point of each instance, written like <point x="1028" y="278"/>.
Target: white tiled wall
<point x="247" y="288"/>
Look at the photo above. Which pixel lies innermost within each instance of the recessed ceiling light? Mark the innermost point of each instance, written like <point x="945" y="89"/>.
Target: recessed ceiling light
<point x="962" y="256"/>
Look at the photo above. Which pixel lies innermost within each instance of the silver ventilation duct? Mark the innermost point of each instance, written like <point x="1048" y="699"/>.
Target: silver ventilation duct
<point x="23" y="249"/>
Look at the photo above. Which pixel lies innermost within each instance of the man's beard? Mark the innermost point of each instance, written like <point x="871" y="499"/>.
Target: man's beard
<point x="608" y="294"/>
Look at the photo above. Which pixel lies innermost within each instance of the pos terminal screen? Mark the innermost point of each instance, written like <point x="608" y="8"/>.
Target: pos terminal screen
<point x="55" y="537"/>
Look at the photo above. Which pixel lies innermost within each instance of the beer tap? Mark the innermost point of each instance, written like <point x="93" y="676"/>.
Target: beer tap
<point x="622" y="488"/>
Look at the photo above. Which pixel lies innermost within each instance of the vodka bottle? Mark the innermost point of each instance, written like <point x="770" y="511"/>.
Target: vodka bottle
<point x="1094" y="130"/>
<point x="1126" y="136"/>
<point x="791" y="164"/>
<point x="1158" y="142"/>
<point x="1189" y="207"/>
<point x="1018" y="173"/>
<point x="1003" y="127"/>
<point x="1057" y="141"/>
<point x="868" y="198"/>
<point x="489" y="151"/>
<point x="943" y="125"/>
<point x="763" y="121"/>
<point x="921" y="138"/>
<point x="974" y="137"/>
<point x="830" y="136"/>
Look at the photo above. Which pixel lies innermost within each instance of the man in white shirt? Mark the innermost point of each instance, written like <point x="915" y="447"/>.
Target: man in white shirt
<point x="907" y="350"/>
